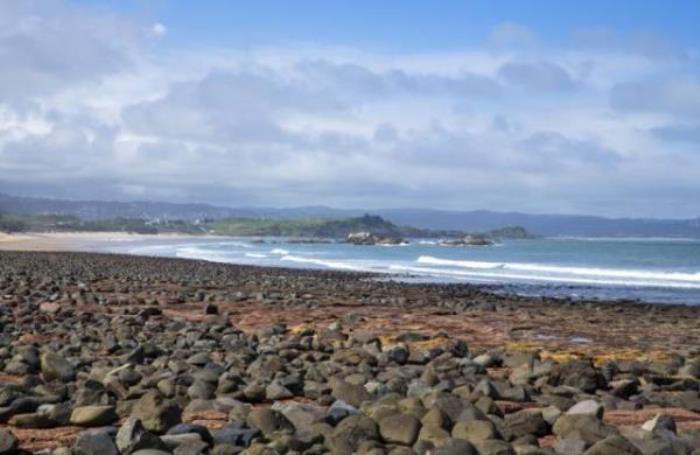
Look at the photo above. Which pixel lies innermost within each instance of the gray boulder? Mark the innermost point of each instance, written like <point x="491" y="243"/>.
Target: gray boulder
<point x="399" y="429"/>
<point x="56" y="368"/>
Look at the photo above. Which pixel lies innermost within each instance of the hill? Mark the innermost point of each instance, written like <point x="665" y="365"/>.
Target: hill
<point x="463" y="221"/>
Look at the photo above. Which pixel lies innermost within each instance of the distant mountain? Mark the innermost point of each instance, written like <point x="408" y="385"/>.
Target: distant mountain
<point x="545" y="225"/>
<point x="472" y="221"/>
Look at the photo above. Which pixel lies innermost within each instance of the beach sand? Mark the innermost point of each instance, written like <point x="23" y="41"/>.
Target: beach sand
<point x="75" y="241"/>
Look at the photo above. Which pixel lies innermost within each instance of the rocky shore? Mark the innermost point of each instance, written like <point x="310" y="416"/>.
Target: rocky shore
<point x="108" y="354"/>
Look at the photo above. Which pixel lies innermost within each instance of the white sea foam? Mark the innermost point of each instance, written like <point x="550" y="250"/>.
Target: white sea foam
<point x="203" y="254"/>
<point x="235" y="243"/>
<point x="459" y="263"/>
<point x="324" y="263"/>
<point x="256" y="255"/>
<point x="506" y="277"/>
<point x="662" y="277"/>
<point x="280" y="251"/>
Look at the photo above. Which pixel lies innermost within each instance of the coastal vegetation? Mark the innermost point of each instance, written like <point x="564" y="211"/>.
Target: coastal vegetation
<point x="310" y="228"/>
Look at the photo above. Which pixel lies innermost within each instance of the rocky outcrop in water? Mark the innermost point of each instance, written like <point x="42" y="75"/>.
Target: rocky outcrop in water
<point x="468" y="240"/>
<point x="367" y="238"/>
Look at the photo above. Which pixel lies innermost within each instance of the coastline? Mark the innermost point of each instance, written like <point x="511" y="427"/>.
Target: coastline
<point x="79" y="241"/>
<point x="119" y="242"/>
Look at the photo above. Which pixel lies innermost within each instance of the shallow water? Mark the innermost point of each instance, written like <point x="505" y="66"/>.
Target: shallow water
<point x="658" y="270"/>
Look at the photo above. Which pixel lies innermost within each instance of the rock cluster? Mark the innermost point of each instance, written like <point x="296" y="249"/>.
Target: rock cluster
<point x="367" y="238"/>
<point x="138" y="380"/>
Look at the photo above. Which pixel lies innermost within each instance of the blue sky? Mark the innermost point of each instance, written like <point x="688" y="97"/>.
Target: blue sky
<point x="408" y="24"/>
<point x="537" y="106"/>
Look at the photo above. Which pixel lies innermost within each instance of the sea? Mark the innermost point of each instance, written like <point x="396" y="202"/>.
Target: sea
<point x="660" y="270"/>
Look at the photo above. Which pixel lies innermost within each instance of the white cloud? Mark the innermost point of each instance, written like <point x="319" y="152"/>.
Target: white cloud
<point x="88" y="101"/>
<point x="158" y="30"/>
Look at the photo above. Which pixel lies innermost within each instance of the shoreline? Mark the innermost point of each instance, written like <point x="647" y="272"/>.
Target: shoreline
<point x="79" y="241"/>
<point x="99" y="242"/>
<point x="231" y="348"/>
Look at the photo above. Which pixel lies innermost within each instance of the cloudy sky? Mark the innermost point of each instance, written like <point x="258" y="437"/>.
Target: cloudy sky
<point x="529" y="106"/>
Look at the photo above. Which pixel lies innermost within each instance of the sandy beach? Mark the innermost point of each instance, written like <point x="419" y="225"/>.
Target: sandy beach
<point x="76" y="241"/>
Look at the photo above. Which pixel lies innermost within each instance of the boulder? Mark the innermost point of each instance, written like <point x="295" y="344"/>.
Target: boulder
<point x="235" y="435"/>
<point x="352" y="394"/>
<point x="455" y="447"/>
<point x="526" y="422"/>
<point x="570" y="446"/>
<point x="495" y="447"/>
<point x="399" y="429"/>
<point x="93" y="416"/>
<point x="94" y="442"/>
<point x="132" y="436"/>
<point x="269" y="422"/>
<point x="56" y="368"/>
<point x="8" y="442"/>
<point x="613" y="445"/>
<point x="587" y="428"/>
<point x="156" y="413"/>
<point x="587" y="407"/>
<point x="660" y="422"/>
<point x="350" y="433"/>
<point x="475" y="430"/>
<point x="580" y="374"/>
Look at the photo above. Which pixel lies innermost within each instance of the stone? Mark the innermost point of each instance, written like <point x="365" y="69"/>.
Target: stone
<point x="56" y="368"/>
<point x="435" y="435"/>
<point x="132" y="436"/>
<point x="94" y="443"/>
<point x="436" y="418"/>
<point x="32" y="420"/>
<point x="8" y="442"/>
<point x="235" y="435"/>
<point x="352" y="394"/>
<point x="201" y="390"/>
<point x="350" y="433"/>
<point x="495" y="447"/>
<point x="302" y="416"/>
<point x="151" y="452"/>
<point x="526" y="422"/>
<point x="338" y="411"/>
<point x="660" y="422"/>
<point x="191" y="428"/>
<point x="581" y="426"/>
<point x="156" y="413"/>
<point x="191" y="448"/>
<point x="276" y="391"/>
<point x="580" y="374"/>
<point x="587" y="407"/>
<point x="93" y="416"/>
<point x="550" y="414"/>
<point x="455" y="447"/>
<point x="475" y="430"/>
<point x="254" y="392"/>
<point x="613" y="445"/>
<point x="399" y="429"/>
<point x="173" y="441"/>
<point x="269" y="422"/>
<point x="570" y="446"/>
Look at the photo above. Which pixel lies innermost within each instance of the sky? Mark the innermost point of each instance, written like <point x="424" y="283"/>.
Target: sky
<point x="538" y="106"/>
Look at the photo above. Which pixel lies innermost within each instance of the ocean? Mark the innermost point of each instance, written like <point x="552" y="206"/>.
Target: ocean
<point x="646" y="269"/>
